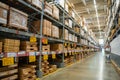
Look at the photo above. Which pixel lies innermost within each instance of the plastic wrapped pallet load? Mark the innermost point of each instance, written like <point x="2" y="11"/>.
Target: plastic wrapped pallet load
<point x="3" y="13"/>
<point x="60" y="2"/>
<point x="48" y="8"/>
<point x="55" y="12"/>
<point x="17" y="19"/>
<point x="70" y="23"/>
<point x="55" y="31"/>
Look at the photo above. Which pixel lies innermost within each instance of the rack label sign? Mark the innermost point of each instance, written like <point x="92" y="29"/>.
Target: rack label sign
<point x="54" y="56"/>
<point x="33" y="39"/>
<point x="45" y="57"/>
<point x="44" y="40"/>
<point x="32" y="58"/>
<point x="8" y="61"/>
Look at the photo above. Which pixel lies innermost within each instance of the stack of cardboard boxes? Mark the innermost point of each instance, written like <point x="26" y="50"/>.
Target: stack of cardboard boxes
<point x="55" y="31"/>
<point x="3" y="13"/>
<point x="55" y="12"/>
<point x="47" y="27"/>
<point x="37" y="3"/>
<point x="45" y="67"/>
<point x="66" y="35"/>
<point x="48" y="8"/>
<point x="9" y="72"/>
<point x="46" y="48"/>
<point x="56" y="47"/>
<point x="17" y="19"/>
<point x="28" y="46"/>
<point x="27" y="72"/>
<point x="11" y="45"/>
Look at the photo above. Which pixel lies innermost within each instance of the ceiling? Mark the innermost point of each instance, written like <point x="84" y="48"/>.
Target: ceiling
<point x="95" y="15"/>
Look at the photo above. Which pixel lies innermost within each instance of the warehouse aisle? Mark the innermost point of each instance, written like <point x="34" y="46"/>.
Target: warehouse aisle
<point x="93" y="68"/>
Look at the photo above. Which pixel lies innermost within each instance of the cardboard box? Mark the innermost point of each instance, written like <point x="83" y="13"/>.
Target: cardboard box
<point x="3" y="13"/>
<point x="27" y="72"/>
<point x="70" y="37"/>
<point x="60" y="2"/>
<point x="37" y="3"/>
<point x="56" y="47"/>
<point x="48" y="8"/>
<point x="28" y="46"/>
<point x="36" y="27"/>
<point x="55" y="12"/>
<point x="55" y="31"/>
<point x="13" y="77"/>
<point x="54" y="67"/>
<point x="11" y="45"/>
<point x="47" y="27"/>
<point x="46" y="48"/>
<point x="66" y="22"/>
<point x="66" y="7"/>
<point x="17" y="19"/>
<point x="66" y="34"/>
<point x="70" y="23"/>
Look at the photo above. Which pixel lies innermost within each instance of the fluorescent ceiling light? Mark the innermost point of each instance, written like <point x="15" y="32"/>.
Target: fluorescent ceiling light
<point x="95" y="5"/>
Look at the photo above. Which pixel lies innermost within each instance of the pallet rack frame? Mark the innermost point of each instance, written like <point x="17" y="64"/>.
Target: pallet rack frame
<point x="40" y="36"/>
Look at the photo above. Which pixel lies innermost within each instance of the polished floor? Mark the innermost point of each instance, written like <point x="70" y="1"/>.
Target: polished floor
<point x="92" y="68"/>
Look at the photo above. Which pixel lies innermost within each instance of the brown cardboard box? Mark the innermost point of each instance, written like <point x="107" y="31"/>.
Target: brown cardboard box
<point x="37" y="3"/>
<point x="17" y="19"/>
<point x="66" y="22"/>
<point x="66" y="34"/>
<point x="36" y="25"/>
<point x="10" y="45"/>
<point x="49" y="28"/>
<point x="27" y="72"/>
<point x="44" y="27"/>
<point x="48" y="8"/>
<point x="55" y="31"/>
<point x="55" y="12"/>
<point x="13" y="77"/>
<point x="46" y="48"/>
<point x="56" y="47"/>
<point x="66" y="7"/>
<point x="3" y="13"/>
<point x="54" y="67"/>
<point x="28" y="46"/>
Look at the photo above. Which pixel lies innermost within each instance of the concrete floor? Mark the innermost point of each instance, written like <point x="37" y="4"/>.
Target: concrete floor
<point x="92" y="68"/>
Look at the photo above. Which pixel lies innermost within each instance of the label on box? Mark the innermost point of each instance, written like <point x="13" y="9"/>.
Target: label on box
<point x="32" y="58"/>
<point x="7" y="61"/>
<point x="53" y="55"/>
<point x="44" y="40"/>
<point x="32" y="53"/>
<point x="44" y="53"/>
<point x="33" y="39"/>
<point x="12" y="54"/>
<point x="45" y="57"/>
<point x="37" y="53"/>
<point x="37" y="79"/>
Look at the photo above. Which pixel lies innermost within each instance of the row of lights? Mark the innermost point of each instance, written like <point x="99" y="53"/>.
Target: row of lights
<point x="95" y="5"/>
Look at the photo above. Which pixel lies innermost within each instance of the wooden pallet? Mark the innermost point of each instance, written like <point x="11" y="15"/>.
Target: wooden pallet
<point x="17" y="28"/>
<point x="4" y="25"/>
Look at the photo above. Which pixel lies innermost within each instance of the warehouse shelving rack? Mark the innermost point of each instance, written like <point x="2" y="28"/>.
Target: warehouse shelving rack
<point x="33" y="11"/>
<point x="113" y="29"/>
